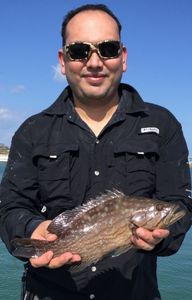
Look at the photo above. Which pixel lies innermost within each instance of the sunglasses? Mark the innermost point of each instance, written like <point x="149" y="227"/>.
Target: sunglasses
<point x="107" y="49"/>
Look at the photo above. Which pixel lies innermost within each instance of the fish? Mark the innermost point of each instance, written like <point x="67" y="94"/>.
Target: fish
<point x="102" y="226"/>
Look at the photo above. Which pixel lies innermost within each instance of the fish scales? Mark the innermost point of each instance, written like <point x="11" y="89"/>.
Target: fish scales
<point x="96" y="245"/>
<point x="98" y="241"/>
<point x="101" y="226"/>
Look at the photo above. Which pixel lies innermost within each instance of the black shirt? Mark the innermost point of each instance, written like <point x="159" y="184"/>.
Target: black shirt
<point x="56" y="163"/>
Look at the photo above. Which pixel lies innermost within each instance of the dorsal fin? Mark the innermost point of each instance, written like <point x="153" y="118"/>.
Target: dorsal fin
<point x="65" y="220"/>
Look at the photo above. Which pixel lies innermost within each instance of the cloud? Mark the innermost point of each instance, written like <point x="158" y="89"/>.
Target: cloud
<point x="18" y="88"/>
<point x="57" y="76"/>
<point x="5" y="114"/>
<point x="13" y="89"/>
<point x="9" y="122"/>
<point x="10" y="117"/>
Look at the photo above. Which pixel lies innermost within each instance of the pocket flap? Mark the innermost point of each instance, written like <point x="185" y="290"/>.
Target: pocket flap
<point x="137" y="147"/>
<point x="52" y="151"/>
<point x="53" y="160"/>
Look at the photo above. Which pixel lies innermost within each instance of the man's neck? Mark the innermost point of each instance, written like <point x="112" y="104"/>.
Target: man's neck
<point x="96" y="116"/>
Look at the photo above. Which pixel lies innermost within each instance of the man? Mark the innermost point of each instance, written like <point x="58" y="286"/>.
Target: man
<point x="97" y="136"/>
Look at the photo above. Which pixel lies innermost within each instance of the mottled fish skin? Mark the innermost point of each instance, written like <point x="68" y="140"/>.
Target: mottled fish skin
<point x="101" y="226"/>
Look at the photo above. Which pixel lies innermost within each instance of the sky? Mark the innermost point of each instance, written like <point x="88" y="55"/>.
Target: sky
<point x="157" y="34"/>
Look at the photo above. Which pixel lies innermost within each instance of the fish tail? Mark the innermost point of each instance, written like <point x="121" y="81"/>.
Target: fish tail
<point x="27" y="248"/>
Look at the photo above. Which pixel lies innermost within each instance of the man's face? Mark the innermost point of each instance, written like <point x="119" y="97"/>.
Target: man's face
<point x="94" y="78"/>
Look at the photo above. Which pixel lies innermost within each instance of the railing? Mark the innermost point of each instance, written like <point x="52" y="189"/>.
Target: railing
<point x="3" y="157"/>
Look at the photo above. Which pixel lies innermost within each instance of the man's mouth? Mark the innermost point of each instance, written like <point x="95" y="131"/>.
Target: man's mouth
<point x="94" y="79"/>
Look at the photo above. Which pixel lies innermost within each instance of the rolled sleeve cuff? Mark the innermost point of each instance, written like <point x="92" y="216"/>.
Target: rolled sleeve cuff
<point x="32" y="225"/>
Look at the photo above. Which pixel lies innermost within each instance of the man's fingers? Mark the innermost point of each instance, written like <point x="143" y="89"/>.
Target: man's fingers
<point x="47" y="260"/>
<point x="59" y="261"/>
<point x="147" y="236"/>
<point x="51" y="237"/>
<point x="141" y="244"/>
<point x="75" y="258"/>
<point x="147" y="240"/>
<point x="42" y="260"/>
<point x="63" y="259"/>
<point x="160" y="233"/>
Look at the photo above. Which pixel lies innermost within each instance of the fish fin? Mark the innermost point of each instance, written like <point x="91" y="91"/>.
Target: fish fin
<point x="26" y="247"/>
<point x="61" y="224"/>
<point x="110" y="194"/>
<point x="121" y="250"/>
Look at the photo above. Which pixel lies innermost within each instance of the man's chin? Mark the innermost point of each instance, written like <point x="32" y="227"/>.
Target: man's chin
<point x="96" y="93"/>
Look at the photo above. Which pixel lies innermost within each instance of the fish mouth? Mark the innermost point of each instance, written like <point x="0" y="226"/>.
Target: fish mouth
<point x="175" y="214"/>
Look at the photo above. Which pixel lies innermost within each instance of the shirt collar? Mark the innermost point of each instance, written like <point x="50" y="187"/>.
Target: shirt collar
<point x="62" y="104"/>
<point x="130" y="102"/>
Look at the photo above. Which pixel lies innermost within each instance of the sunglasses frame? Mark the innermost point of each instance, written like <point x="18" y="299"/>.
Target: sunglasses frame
<point x="93" y="47"/>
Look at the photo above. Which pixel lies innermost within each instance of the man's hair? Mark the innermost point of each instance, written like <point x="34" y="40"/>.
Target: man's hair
<point x="82" y="8"/>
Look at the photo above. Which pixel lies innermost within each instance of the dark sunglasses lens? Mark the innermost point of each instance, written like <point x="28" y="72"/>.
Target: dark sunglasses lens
<point x="109" y="49"/>
<point x="78" y="51"/>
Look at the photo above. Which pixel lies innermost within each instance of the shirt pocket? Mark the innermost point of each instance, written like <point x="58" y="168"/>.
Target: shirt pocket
<point x="53" y="164"/>
<point x="136" y="162"/>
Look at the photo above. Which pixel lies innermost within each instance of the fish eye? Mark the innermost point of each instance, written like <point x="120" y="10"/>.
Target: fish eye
<point x="159" y="207"/>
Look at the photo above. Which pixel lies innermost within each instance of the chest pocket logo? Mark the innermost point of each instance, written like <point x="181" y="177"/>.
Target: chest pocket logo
<point x="150" y="130"/>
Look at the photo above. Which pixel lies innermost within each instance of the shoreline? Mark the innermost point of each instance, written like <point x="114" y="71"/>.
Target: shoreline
<point x="3" y="157"/>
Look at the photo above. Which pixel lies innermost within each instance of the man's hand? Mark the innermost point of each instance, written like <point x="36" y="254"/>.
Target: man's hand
<point x="47" y="260"/>
<point x="147" y="240"/>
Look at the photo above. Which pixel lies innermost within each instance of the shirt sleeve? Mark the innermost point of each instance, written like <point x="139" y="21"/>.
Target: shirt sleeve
<point x="19" y="205"/>
<point x="173" y="183"/>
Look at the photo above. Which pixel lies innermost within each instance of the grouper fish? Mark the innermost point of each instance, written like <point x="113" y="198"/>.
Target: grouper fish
<point x="102" y="226"/>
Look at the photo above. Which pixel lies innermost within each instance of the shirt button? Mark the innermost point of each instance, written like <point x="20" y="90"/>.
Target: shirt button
<point x="93" y="269"/>
<point x="92" y="296"/>
<point x="97" y="141"/>
<point x="96" y="173"/>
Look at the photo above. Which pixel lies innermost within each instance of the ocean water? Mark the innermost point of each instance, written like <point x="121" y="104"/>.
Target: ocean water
<point x="174" y="272"/>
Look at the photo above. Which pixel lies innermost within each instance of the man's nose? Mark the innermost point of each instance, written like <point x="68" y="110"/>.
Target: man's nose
<point x="94" y="60"/>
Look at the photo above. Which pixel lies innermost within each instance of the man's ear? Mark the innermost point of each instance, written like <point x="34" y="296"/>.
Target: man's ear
<point x="61" y="61"/>
<point x="124" y="58"/>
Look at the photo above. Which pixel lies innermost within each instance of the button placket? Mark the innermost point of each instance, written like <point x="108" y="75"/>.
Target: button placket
<point x="97" y="141"/>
